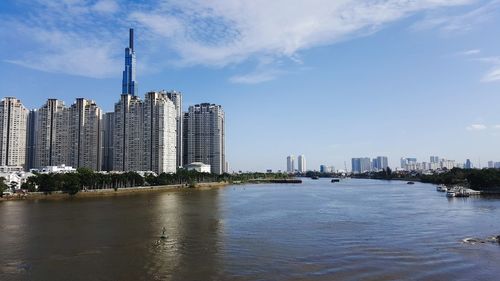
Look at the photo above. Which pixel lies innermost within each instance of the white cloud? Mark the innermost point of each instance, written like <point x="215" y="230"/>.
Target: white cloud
<point x="192" y="32"/>
<point x="469" y="52"/>
<point x="493" y="75"/>
<point x="476" y="127"/>
<point x="461" y="22"/>
<point x="105" y="6"/>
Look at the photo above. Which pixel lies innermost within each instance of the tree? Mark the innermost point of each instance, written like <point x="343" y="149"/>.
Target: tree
<point x="3" y="186"/>
<point x="71" y="183"/>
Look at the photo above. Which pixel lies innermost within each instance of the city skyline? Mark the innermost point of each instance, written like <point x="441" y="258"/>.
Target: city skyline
<point x="358" y="91"/>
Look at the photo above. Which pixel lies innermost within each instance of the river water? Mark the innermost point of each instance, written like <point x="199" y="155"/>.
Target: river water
<point x="352" y="230"/>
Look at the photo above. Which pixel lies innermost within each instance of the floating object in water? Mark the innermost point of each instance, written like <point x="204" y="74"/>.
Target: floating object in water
<point x="163" y="235"/>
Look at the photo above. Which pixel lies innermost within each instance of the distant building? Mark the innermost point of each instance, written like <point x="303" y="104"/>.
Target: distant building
<point x="301" y="159"/>
<point x="491" y="164"/>
<point x="380" y="163"/>
<point x="326" y="169"/>
<point x="204" y="136"/>
<point x="129" y="84"/>
<point x="198" y="166"/>
<point x="434" y="159"/>
<point x="13" y="126"/>
<point x="468" y="164"/>
<point x="361" y="165"/>
<point x="31" y="134"/>
<point x="56" y="169"/>
<point x="409" y="164"/>
<point x="290" y="164"/>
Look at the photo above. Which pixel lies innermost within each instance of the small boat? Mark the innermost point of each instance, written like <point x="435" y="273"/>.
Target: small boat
<point x="451" y="194"/>
<point x="315" y="178"/>
<point x="410" y="182"/>
<point x="441" y="188"/>
<point x="335" y="180"/>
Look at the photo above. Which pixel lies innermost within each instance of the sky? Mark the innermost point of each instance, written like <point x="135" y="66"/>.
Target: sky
<point x="328" y="79"/>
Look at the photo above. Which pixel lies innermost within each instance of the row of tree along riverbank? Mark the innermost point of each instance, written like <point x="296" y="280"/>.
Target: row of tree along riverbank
<point x="487" y="180"/>
<point x="88" y="180"/>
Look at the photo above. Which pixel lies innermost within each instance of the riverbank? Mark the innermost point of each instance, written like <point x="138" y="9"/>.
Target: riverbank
<point x="95" y="193"/>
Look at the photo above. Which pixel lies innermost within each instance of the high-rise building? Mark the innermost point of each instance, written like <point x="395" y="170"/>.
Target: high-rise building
<point x="380" y="163"/>
<point x="408" y="163"/>
<point x="129" y="84"/>
<point x="290" y="164"/>
<point x="468" y="164"/>
<point x="13" y="126"/>
<point x="176" y="98"/>
<point x="204" y="136"/>
<point x="434" y="159"/>
<point x="31" y="140"/>
<point x="361" y="165"/>
<point x="85" y="135"/>
<point x="160" y="137"/>
<point x="108" y="124"/>
<point x="301" y="159"/>
<point x="52" y="145"/>
<point x="491" y="164"/>
<point x="128" y="136"/>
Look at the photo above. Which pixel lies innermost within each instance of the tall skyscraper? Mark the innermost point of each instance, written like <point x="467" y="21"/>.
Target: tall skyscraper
<point x="108" y="124"/>
<point x="52" y="145"/>
<point x="301" y="159"/>
<point x="204" y="136"/>
<point x="128" y="136"/>
<point x="290" y="164"/>
<point x="13" y="126"/>
<point x="434" y="159"/>
<point x="468" y="164"/>
<point x="129" y="84"/>
<point x="160" y="138"/>
<point x="85" y="135"/>
<point x="176" y="98"/>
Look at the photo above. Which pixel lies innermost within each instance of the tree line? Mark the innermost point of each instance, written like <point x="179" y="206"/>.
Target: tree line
<point x="87" y="179"/>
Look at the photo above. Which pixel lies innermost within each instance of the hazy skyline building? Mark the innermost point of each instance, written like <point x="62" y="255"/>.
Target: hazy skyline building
<point x="160" y="137"/>
<point x="204" y="136"/>
<point x="301" y="164"/>
<point x="290" y="164"/>
<point x="129" y="83"/>
<point x="13" y="129"/>
<point x="361" y="165"/>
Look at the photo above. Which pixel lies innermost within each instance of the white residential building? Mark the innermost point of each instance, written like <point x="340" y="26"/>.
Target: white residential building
<point x="13" y="127"/>
<point x="301" y="159"/>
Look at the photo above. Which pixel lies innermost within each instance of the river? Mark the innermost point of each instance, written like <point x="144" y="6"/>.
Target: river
<point x="352" y="230"/>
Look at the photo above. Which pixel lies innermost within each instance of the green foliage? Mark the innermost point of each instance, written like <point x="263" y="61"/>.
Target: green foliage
<point x="72" y="183"/>
<point x="3" y="186"/>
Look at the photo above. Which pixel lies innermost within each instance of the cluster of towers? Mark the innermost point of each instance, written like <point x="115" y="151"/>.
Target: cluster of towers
<point x="153" y="134"/>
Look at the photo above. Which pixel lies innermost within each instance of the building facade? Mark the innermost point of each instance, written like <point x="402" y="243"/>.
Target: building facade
<point x="85" y="135"/>
<point x="290" y="164"/>
<point x="52" y="143"/>
<point x="160" y="137"/>
<point x="204" y="136"/>
<point x="13" y="129"/>
<point x="128" y="144"/>
<point x="108" y="124"/>
<point x="176" y="98"/>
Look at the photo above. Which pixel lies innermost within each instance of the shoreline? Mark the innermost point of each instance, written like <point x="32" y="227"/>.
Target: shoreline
<point x="96" y="193"/>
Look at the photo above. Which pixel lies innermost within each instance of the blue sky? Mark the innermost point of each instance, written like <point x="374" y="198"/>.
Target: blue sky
<point x="328" y="79"/>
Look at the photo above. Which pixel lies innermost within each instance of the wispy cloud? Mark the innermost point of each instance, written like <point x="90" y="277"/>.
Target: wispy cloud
<point x="469" y="52"/>
<point x="450" y="21"/>
<point x="476" y="127"/>
<point x="79" y="36"/>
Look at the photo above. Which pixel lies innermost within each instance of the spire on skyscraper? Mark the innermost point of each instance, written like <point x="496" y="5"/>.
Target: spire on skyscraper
<point x="129" y="85"/>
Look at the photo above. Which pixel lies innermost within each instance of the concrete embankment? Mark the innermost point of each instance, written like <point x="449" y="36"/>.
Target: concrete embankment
<point x="93" y="193"/>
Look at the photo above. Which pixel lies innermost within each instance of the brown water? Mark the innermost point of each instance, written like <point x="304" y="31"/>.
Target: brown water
<point x="353" y="230"/>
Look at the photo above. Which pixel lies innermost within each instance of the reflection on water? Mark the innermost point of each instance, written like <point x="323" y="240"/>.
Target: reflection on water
<point x="353" y="230"/>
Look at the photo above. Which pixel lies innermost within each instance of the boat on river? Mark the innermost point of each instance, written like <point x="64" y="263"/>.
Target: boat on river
<point x="441" y="188"/>
<point x="335" y="180"/>
<point x="410" y="182"/>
